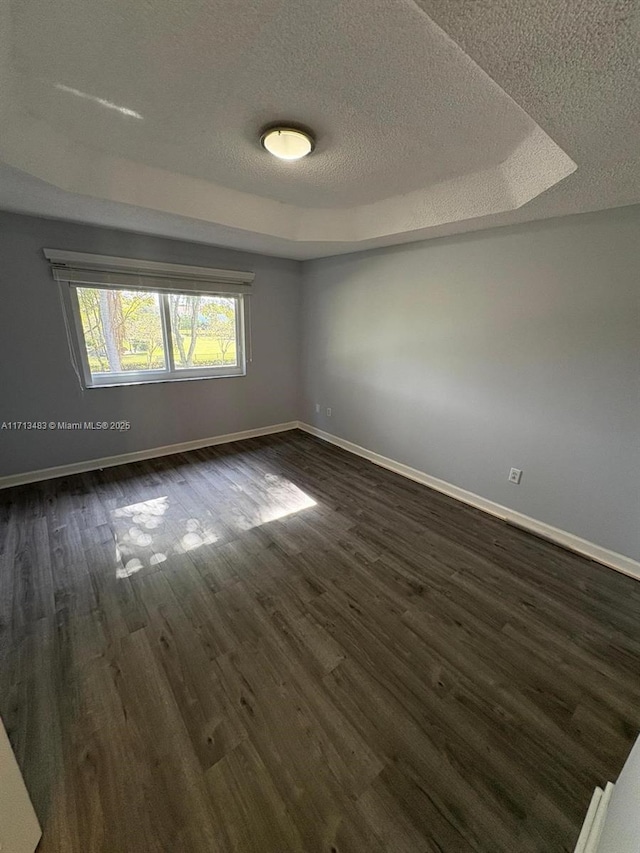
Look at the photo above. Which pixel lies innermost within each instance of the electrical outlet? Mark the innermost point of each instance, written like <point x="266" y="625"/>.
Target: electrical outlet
<point x="328" y="413"/>
<point x="515" y="475"/>
<point x="317" y="408"/>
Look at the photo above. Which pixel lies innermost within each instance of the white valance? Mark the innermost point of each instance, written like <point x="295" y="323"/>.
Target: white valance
<point x="79" y="268"/>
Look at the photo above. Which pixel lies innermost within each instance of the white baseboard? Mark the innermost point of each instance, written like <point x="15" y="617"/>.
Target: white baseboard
<point x="567" y="540"/>
<point x="560" y="537"/>
<point x="138" y="455"/>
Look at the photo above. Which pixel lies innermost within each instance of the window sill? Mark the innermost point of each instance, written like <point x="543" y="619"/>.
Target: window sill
<point x="157" y="381"/>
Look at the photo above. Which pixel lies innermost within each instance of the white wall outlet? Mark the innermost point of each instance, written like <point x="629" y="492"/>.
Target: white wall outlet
<point x="515" y="475"/>
<point x="328" y="413"/>
<point x="317" y="408"/>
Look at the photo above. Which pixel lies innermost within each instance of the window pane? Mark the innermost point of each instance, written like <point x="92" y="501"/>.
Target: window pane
<point x="204" y="330"/>
<point x="122" y="330"/>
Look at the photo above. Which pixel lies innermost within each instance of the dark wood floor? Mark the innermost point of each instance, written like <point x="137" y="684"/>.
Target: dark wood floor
<point x="275" y="646"/>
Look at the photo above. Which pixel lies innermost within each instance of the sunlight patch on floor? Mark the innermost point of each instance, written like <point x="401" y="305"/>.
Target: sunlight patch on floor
<point x="147" y="533"/>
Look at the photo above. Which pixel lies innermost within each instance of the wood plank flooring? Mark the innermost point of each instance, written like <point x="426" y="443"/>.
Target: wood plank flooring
<point x="275" y="646"/>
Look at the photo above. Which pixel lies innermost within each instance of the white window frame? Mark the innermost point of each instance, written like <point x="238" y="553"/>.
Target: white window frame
<point x="75" y="269"/>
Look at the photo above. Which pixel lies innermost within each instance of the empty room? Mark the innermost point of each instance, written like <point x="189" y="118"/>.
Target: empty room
<point x="319" y="426"/>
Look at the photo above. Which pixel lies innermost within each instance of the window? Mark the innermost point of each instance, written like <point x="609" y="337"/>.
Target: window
<point x="170" y="329"/>
<point x="141" y="336"/>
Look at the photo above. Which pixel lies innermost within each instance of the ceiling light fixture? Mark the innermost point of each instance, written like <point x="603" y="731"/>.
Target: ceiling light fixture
<point x="287" y="143"/>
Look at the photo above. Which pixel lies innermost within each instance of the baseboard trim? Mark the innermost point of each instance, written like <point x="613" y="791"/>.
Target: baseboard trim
<point x="585" y="548"/>
<point x="612" y="559"/>
<point x="138" y="455"/>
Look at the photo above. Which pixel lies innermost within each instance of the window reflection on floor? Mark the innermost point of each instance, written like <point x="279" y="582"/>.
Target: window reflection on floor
<point x="148" y="533"/>
<point x="284" y="499"/>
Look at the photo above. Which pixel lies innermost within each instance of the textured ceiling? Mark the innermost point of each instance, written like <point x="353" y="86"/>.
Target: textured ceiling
<point x="432" y="117"/>
<point x="394" y="103"/>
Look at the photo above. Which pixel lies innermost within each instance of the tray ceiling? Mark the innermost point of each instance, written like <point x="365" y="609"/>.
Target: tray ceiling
<point x="147" y="115"/>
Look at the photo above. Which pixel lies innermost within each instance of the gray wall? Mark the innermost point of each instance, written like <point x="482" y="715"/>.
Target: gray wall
<point x="461" y="357"/>
<point x="37" y="381"/>
<point x="465" y="356"/>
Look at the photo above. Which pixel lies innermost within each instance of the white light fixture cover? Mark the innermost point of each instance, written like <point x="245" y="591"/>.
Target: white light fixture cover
<point x="287" y="143"/>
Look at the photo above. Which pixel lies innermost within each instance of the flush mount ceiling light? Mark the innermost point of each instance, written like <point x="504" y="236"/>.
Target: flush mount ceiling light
<point x="287" y="143"/>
